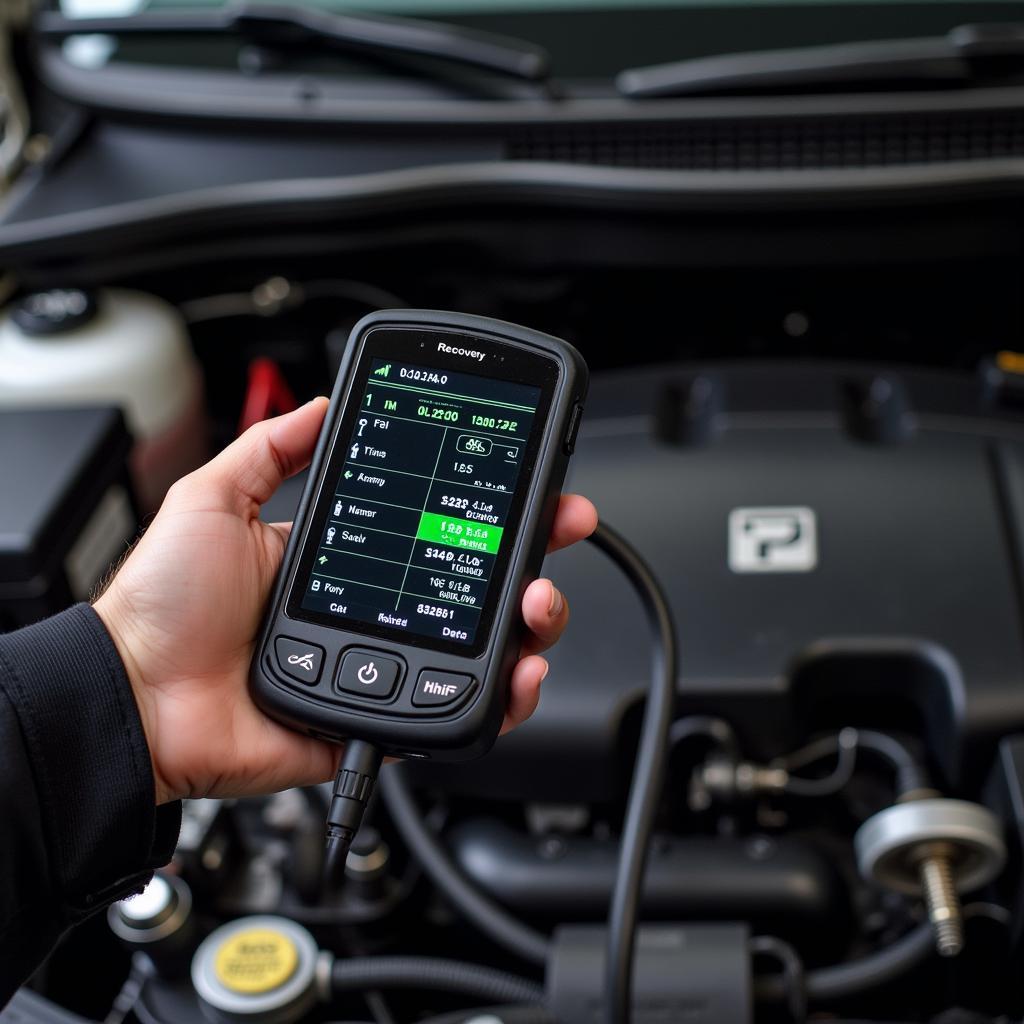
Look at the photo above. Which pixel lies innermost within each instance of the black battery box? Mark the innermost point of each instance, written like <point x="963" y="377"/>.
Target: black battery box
<point x="66" y="507"/>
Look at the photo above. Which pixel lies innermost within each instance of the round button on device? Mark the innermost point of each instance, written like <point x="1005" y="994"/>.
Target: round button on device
<point x="368" y="674"/>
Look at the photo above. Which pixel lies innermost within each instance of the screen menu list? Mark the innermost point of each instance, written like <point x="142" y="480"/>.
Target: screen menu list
<point x="421" y="502"/>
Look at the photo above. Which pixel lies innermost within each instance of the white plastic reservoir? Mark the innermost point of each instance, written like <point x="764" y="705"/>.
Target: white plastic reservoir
<point x="67" y="347"/>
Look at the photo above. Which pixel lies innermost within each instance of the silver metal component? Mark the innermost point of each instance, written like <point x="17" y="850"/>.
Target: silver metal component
<point x="282" y="1000"/>
<point x="322" y="975"/>
<point x="213" y="856"/>
<point x="564" y="819"/>
<point x="37" y="148"/>
<point x="944" y="911"/>
<point x="270" y="295"/>
<point x="152" y="915"/>
<point x="723" y="779"/>
<point x="150" y="905"/>
<point x="935" y="848"/>
<point x="359" y="865"/>
<point x="197" y="819"/>
<point x="884" y="843"/>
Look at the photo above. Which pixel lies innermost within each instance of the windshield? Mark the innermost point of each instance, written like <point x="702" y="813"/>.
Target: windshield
<point x="594" y="39"/>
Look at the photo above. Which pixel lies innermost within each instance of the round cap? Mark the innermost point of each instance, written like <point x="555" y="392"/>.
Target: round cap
<point x="256" y="960"/>
<point x="159" y="911"/>
<point x="257" y="968"/>
<point x="54" y="311"/>
<point x="150" y="906"/>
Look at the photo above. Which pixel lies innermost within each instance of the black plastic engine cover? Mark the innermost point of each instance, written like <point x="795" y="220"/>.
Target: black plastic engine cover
<point x="699" y="973"/>
<point x="783" y="886"/>
<point x="909" y="618"/>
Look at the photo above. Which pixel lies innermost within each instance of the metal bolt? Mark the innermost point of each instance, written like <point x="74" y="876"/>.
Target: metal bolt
<point x="942" y="901"/>
<point x="936" y="848"/>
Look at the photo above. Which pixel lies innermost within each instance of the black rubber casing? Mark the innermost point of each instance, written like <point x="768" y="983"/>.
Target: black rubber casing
<point x="469" y="728"/>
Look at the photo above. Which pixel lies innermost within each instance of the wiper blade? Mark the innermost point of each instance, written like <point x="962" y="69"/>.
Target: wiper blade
<point x="959" y="57"/>
<point x="286" y="25"/>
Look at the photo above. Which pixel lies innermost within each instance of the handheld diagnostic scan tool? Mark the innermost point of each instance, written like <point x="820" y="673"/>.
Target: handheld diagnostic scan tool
<point x="396" y="616"/>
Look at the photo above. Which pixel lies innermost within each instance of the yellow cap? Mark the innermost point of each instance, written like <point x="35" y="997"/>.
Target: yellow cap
<point x="1010" y="362"/>
<point x="256" y="961"/>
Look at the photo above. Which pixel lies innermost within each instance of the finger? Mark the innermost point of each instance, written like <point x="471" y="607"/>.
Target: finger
<point x="303" y="761"/>
<point x="524" y="691"/>
<point x="250" y="469"/>
<point x="276" y="758"/>
<point x="545" y="612"/>
<point x="575" y="519"/>
<point x="284" y="530"/>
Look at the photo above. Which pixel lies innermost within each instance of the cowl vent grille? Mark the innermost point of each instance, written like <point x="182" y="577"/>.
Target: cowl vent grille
<point x="814" y="143"/>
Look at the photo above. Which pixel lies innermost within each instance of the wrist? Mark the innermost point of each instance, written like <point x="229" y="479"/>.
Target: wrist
<point x="118" y="625"/>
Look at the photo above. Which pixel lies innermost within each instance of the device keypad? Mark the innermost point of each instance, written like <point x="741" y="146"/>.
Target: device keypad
<point x="375" y="681"/>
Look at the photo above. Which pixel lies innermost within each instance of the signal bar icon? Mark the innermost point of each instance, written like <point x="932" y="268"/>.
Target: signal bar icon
<point x="383" y="371"/>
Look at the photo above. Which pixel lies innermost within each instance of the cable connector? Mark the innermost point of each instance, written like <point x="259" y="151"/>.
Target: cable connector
<point x="353" y="788"/>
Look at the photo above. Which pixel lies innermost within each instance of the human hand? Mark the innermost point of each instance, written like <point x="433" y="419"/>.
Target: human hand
<point x="185" y="608"/>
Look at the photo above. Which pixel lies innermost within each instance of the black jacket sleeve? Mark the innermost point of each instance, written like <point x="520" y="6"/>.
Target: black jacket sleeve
<point x="78" y="823"/>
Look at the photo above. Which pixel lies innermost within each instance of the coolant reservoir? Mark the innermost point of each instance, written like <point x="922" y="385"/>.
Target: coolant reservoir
<point x="69" y="347"/>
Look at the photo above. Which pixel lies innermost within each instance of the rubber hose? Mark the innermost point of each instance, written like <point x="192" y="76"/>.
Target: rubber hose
<point x="525" y="1014"/>
<point x="435" y="974"/>
<point x="648" y="774"/>
<point x="910" y="776"/>
<point x="490" y="918"/>
<point x="858" y="976"/>
<point x="872" y="971"/>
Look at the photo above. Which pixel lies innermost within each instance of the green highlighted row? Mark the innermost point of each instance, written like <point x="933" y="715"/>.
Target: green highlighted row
<point x="459" y="533"/>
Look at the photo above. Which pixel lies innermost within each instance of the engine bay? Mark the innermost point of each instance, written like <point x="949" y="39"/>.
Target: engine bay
<point x="806" y="417"/>
<point x="840" y="543"/>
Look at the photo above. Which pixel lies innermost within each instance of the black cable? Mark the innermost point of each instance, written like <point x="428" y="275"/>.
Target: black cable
<point x="490" y="918"/>
<point x="792" y="971"/>
<point x="715" y="729"/>
<point x="378" y="1007"/>
<point x="871" y="971"/>
<point x="433" y="974"/>
<point x="524" y="1014"/>
<point x="648" y="774"/>
<point x="516" y="1014"/>
<point x="857" y="976"/>
<point x="846" y="761"/>
<point x="353" y="788"/>
<point x="910" y="775"/>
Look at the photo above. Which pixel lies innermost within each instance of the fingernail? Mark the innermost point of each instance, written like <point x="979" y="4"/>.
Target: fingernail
<point x="557" y="602"/>
<point x="547" y="669"/>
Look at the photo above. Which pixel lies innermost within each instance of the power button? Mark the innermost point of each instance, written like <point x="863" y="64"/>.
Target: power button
<point x="368" y="674"/>
<point x="574" y="428"/>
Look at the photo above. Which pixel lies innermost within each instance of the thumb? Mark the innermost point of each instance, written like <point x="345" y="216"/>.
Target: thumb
<point x="251" y="468"/>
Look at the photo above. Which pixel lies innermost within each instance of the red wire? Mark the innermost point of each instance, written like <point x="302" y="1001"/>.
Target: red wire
<point x="266" y="394"/>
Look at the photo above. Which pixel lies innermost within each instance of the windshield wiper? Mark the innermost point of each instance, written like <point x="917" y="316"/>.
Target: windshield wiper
<point x="960" y="57"/>
<point x="285" y="25"/>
